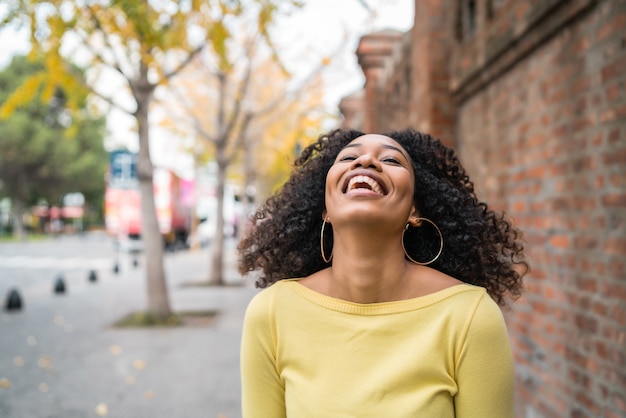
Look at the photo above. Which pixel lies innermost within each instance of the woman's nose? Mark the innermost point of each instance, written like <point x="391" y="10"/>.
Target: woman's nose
<point x="366" y="161"/>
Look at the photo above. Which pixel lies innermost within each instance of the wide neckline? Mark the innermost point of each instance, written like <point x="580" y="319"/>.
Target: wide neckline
<point x="381" y="308"/>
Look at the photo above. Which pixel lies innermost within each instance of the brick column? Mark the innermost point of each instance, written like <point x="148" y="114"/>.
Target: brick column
<point x="372" y="52"/>
<point x="432" y="109"/>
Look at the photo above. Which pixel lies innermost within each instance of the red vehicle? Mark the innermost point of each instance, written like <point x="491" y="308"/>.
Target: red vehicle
<point x="173" y="198"/>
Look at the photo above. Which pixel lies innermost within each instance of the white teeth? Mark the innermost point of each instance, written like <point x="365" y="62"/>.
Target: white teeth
<point x="364" y="179"/>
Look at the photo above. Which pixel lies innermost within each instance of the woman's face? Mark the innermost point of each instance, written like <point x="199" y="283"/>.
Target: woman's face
<point x="371" y="179"/>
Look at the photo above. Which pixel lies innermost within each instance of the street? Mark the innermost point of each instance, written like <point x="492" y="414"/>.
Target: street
<point x="61" y="357"/>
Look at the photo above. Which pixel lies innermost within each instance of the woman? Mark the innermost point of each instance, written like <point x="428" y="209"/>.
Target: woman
<point x="381" y="261"/>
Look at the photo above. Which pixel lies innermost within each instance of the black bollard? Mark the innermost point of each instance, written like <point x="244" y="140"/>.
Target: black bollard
<point x="93" y="277"/>
<point x="135" y="262"/>
<point x="116" y="268"/>
<point x="59" y="285"/>
<point x="14" y="301"/>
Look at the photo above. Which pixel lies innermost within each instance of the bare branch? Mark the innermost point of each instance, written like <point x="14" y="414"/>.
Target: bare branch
<point x="98" y="55"/>
<point x="240" y="138"/>
<point x="243" y="86"/>
<point x="366" y="6"/>
<point x="107" y="40"/>
<point x="111" y="101"/>
<point x="295" y="93"/>
<point x="86" y="85"/>
<point x="183" y="64"/>
<point x="189" y="110"/>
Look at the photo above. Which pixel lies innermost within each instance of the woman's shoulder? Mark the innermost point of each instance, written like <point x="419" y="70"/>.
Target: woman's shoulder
<point x="426" y="281"/>
<point x="464" y="297"/>
<point x="266" y="296"/>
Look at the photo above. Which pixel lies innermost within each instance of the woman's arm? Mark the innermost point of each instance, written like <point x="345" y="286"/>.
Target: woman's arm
<point x="263" y="392"/>
<point x="485" y="373"/>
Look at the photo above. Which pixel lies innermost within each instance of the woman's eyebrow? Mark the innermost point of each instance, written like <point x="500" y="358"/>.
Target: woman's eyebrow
<point x="386" y="146"/>
<point x="397" y="149"/>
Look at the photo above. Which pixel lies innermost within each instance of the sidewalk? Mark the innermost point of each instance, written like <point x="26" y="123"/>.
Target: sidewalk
<point x="59" y="357"/>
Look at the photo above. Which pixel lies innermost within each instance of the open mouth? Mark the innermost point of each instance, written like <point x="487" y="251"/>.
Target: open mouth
<point x="364" y="182"/>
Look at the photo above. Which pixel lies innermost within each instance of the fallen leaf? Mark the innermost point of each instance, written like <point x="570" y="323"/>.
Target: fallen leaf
<point x="18" y="361"/>
<point x="43" y="388"/>
<point x="44" y="362"/>
<point x="4" y="383"/>
<point x="139" y="364"/>
<point x="115" y="350"/>
<point x="102" y="409"/>
<point x="149" y="394"/>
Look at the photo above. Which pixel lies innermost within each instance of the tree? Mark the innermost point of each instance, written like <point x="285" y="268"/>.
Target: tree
<point x="47" y="151"/>
<point x="145" y="43"/>
<point x="227" y="100"/>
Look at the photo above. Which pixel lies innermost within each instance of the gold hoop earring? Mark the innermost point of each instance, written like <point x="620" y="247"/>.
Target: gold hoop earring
<point x="326" y="260"/>
<point x="440" y="245"/>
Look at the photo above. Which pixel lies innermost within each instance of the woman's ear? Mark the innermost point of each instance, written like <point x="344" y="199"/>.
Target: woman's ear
<point x="414" y="218"/>
<point x="325" y="215"/>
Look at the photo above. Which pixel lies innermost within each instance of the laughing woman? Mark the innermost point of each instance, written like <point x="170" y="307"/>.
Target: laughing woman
<point x="384" y="273"/>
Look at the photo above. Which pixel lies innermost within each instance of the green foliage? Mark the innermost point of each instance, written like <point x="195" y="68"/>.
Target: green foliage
<point x="146" y="319"/>
<point x="47" y="151"/>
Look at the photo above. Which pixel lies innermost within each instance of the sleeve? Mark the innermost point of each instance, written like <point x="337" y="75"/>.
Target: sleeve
<point x="262" y="390"/>
<point x="485" y="373"/>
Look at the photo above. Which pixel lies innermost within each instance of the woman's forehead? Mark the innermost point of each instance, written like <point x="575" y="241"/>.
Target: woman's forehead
<point x="383" y="140"/>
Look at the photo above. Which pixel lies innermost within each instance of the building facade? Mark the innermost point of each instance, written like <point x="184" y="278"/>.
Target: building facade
<point x="532" y="96"/>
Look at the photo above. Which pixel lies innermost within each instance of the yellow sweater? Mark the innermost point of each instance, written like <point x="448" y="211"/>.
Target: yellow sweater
<point x="442" y="355"/>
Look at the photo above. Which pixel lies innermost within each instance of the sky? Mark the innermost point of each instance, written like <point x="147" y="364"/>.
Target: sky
<point x="326" y="27"/>
<point x="320" y="29"/>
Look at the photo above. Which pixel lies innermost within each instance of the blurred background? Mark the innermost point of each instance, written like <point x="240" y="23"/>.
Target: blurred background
<point x="137" y="137"/>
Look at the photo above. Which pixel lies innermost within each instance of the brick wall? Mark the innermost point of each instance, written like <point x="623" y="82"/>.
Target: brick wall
<point x="537" y="94"/>
<point x="541" y="128"/>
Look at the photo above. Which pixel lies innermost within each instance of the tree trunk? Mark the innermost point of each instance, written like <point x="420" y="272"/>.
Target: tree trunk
<point x="249" y="180"/>
<point x="217" y="250"/>
<point x="195" y="221"/>
<point x="18" y="225"/>
<point x="158" y="301"/>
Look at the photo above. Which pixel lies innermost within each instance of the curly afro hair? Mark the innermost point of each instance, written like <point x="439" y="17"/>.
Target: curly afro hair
<point x="481" y="246"/>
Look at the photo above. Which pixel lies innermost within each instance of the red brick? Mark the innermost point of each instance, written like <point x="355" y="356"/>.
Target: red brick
<point x="619" y="315"/>
<point x="588" y="285"/>
<point x="588" y="402"/>
<point x="614" y="136"/>
<point x="616" y="246"/>
<point x="617" y="180"/>
<point x="612" y="93"/>
<point x="599" y="181"/>
<point x="615" y="157"/>
<point x="617" y="290"/>
<point x="600" y="308"/>
<point x="614" y="200"/>
<point x="619" y="402"/>
<point x="616" y="24"/>
<point x="560" y="241"/>
<point x="586" y="323"/>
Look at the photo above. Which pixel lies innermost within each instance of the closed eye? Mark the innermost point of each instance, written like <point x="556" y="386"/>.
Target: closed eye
<point x="391" y="160"/>
<point x="348" y="158"/>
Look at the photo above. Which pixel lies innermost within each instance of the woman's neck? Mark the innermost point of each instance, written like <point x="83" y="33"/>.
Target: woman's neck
<point x="368" y="269"/>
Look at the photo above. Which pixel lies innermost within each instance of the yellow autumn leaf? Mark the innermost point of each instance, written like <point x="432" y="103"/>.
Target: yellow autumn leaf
<point x="22" y="95"/>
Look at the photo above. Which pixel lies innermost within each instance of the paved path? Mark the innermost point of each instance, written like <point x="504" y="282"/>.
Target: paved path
<point x="60" y="357"/>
